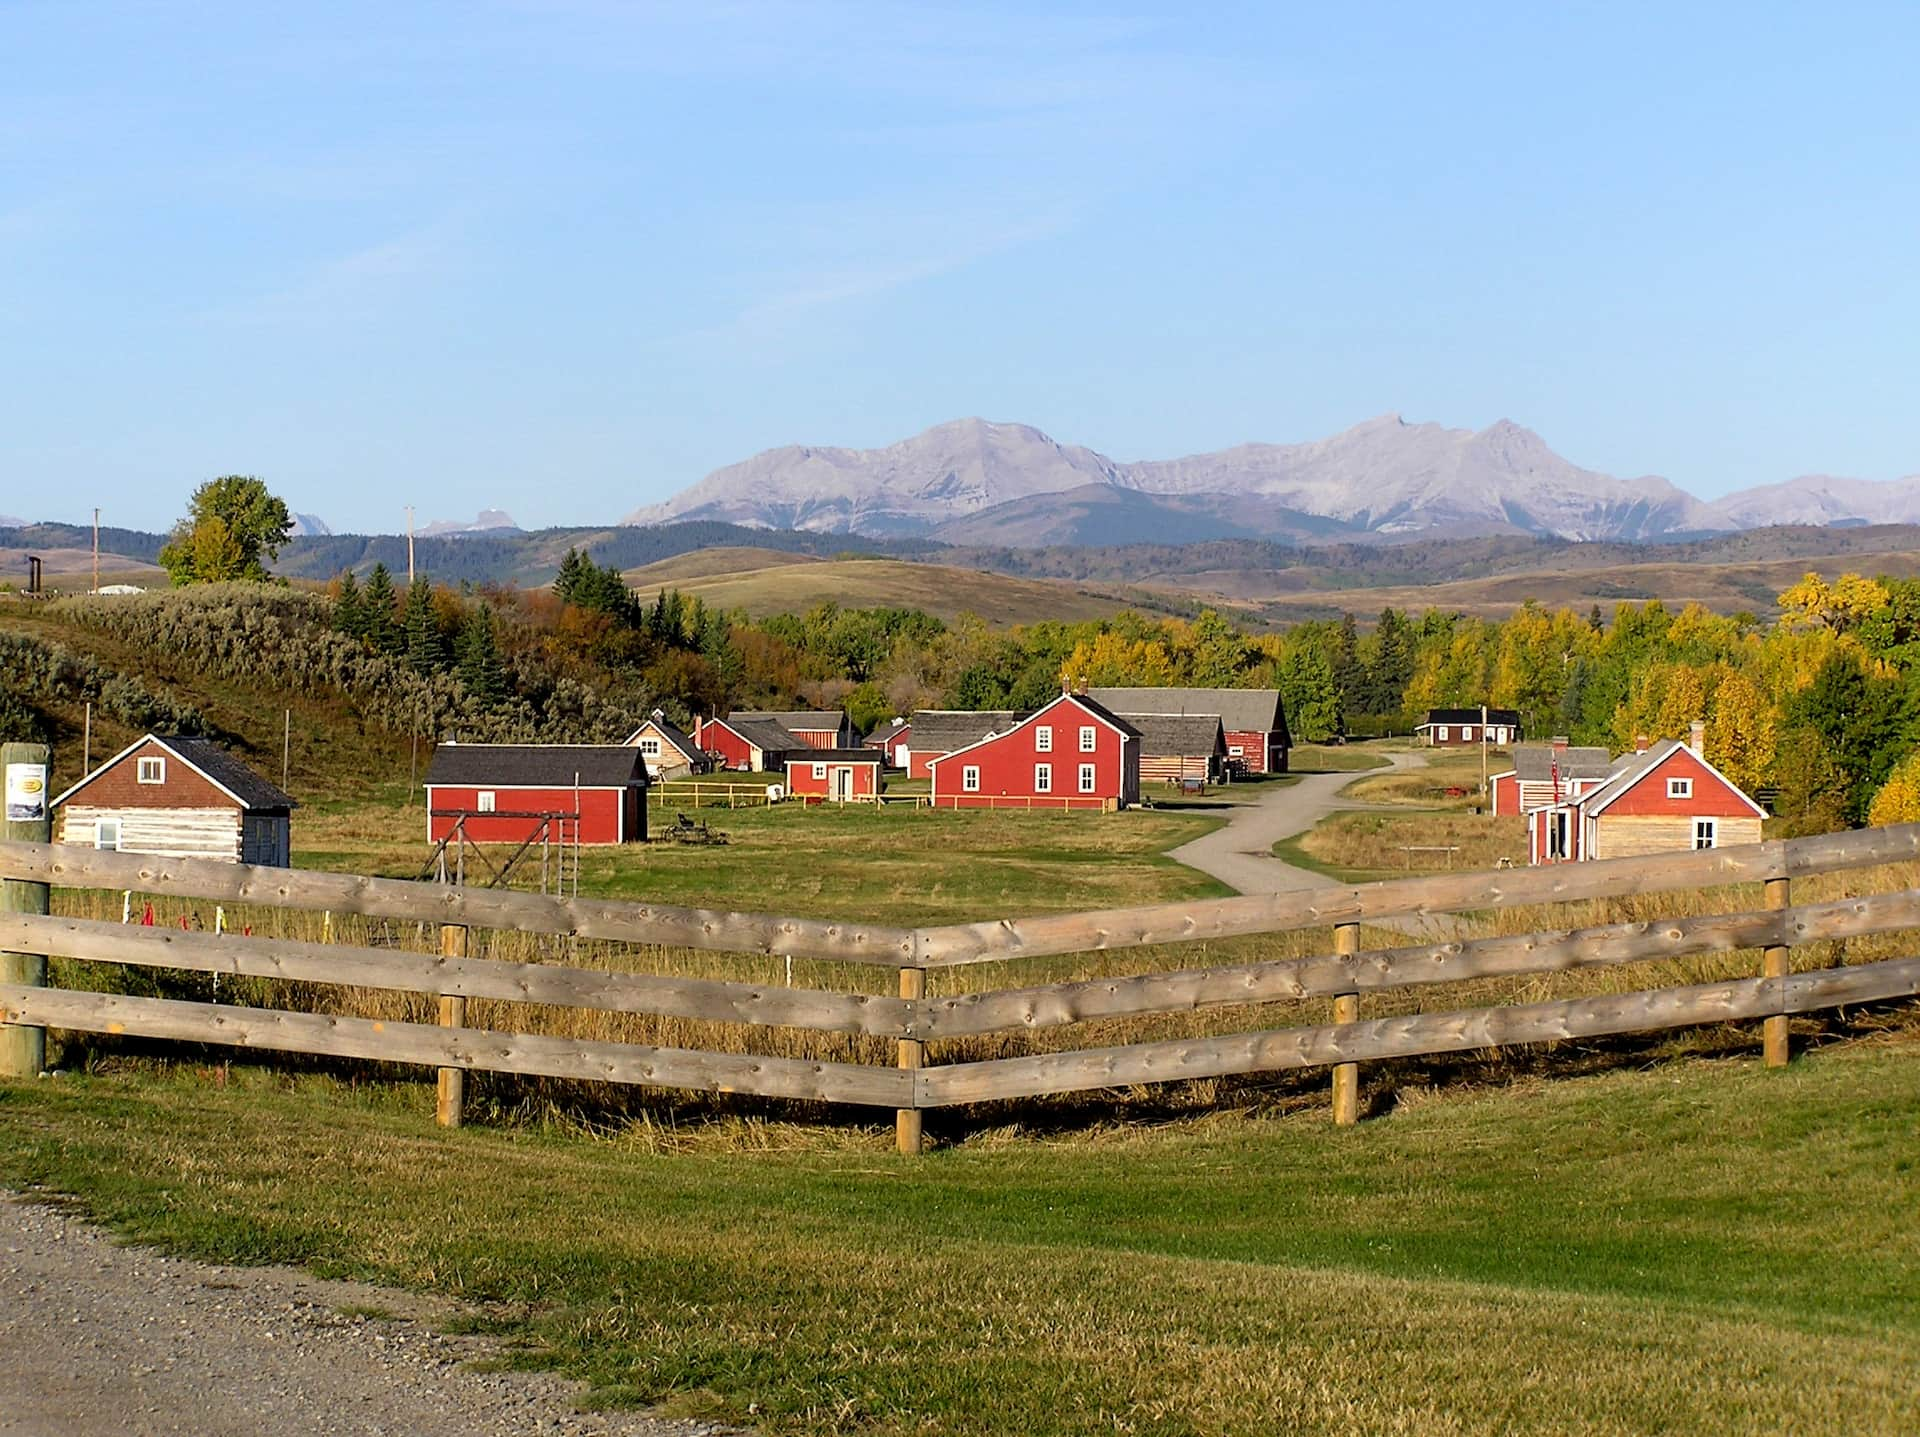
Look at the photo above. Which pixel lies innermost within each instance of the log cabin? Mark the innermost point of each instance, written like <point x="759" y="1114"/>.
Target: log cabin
<point x="1544" y="774"/>
<point x="1180" y="746"/>
<point x="179" y="797"/>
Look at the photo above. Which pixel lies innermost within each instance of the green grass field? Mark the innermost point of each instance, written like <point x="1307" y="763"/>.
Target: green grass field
<point x="1705" y="1247"/>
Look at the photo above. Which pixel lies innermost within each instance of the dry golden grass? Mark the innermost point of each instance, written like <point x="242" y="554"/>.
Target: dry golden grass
<point x="1360" y="846"/>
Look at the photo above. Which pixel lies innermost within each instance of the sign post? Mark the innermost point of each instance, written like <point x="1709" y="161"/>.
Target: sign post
<point x="23" y="1050"/>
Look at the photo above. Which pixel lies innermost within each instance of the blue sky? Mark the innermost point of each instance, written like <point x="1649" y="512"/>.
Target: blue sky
<point x="564" y="258"/>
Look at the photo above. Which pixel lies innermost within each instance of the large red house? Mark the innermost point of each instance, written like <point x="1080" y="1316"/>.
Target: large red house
<point x="510" y="793"/>
<point x="1253" y="722"/>
<point x="1664" y="799"/>
<point x="1074" y="753"/>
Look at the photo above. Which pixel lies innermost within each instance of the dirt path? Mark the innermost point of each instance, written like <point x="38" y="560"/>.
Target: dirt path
<point x="1240" y="854"/>
<point x="96" y="1338"/>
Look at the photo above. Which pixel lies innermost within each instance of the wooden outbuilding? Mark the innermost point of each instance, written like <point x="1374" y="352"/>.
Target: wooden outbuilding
<point x="1663" y="799"/>
<point x="515" y="793"/>
<point x="1252" y="721"/>
<point x="667" y="751"/>
<point x="1180" y="746"/>
<point x="1075" y="753"/>
<point x="747" y="745"/>
<point x="179" y="797"/>
<point x="1544" y="774"/>
<point x="815" y="728"/>
<point x="836" y="775"/>
<point x="1444" y="728"/>
<point x="892" y="740"/>
<point x="938" y="732"/>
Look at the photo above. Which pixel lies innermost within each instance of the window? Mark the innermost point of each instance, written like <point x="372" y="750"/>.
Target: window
<point x="1043" y="778"/>
<point x="819" y="770"/>
<point x="1043" y="739"/>
<point x="650" y="747"/>
<point x="483" y="801"/>
<point x="1234" y="750"/>
<point x="970" y="779"/>
<point x="1706" y="832"/>
<point x="1441" y="733"/>
<point x="1467" y="733"/>
<point x="150" y="770"/>
<point x="106" y="833"/>
<point x="1681" y="788"/>
<point x="1089" y="738"/>
<point x="1089" y="778"/>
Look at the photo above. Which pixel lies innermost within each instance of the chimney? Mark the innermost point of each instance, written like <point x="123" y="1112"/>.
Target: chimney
<point x="1640" y="743"/>
<point x="1697" y="738"/>
<point x="1559" y="742"/>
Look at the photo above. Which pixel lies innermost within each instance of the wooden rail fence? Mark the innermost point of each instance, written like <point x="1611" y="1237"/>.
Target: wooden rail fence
<point x="914" y="1019"/>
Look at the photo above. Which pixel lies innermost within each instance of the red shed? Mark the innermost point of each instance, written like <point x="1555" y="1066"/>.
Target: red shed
<point x="892" y="741"/>
<point x="509" y="792"/>
<point x="749" y="745"/>
<point x="844" y="775"/>
<point x="1074" y="753"/>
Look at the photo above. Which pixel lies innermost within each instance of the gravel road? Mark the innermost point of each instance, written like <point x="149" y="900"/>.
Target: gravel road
<point x="97" y="1338"/>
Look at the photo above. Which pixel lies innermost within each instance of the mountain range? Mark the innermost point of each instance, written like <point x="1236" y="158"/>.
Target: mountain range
<point x="973" y="481"/>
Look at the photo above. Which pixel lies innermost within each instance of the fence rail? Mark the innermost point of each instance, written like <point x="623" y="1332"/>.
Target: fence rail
<point x="914" y="1020"/>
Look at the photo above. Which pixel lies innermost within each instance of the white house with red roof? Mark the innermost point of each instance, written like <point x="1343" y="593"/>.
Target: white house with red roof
<point x="1663" y="799"/>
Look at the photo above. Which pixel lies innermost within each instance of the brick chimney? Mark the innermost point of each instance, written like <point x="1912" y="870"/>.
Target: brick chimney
<point x="1559" y="742"/>
<point x="1697" y="738"/>
<point x="1640" y="743"/>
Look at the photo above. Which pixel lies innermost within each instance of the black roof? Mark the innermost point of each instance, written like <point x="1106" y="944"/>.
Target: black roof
<point x="1510" y="717"/>
<point x="537" y="765"/>
<point x="227" y="771"/>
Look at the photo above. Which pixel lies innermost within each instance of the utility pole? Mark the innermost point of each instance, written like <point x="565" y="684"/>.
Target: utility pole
<point x="86" y="745"/>
<point x="1483" y="750"/>
<point x="96" y="550"/>
<point x="286" y="746"/>
<point x="409" y="543"/>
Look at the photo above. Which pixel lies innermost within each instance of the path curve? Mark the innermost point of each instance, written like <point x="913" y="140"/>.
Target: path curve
<point x="1240" y="852"/>
<point x="97" y="1338"/>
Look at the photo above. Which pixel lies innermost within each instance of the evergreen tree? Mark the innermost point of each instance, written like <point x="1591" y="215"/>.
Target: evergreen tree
<point x="566" y="584"/>
<point x="480" y="657"/>
<point x="376" y="606"/>
<point x="1349" y="680"/>
<point x="425" y="652"/>
<point x="1392" y="666"/>
<point x="349" y="613"/>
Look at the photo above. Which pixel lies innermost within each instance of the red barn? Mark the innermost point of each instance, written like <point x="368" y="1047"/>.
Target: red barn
<point x="748" y="745"/>
<point x="1074" y="753"/>
<point x="509" y="792"/>
<point x="827" y="728"/>
<point x="1253" y="722"/>
<point x="843" y="775"/>
<point x="1666" y="799"/>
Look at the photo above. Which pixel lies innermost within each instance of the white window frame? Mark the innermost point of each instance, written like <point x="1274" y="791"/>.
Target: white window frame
<point x="1043" y="739"/>
<point x="650" y="748"/>
<point x="820" y="770"/>
<point x="1709" y="829"/>
<point x="1440" y="733"/>
<point x="99" y="839"/>
<point x="151" y="764"/>
<point x="1089" y="738"/>
<point x="1679" y="788"/>
<point x="1043" y="778"/>
<point x="1235" y="750"/>
<point x="485" y="800"/>
<point x="1466" y="732"/>
<point x="969" y="779"/>
<point x="1089" y="777"/>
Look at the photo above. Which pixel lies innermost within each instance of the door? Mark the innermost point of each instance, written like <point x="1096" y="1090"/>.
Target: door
<point x="842" y="784"/>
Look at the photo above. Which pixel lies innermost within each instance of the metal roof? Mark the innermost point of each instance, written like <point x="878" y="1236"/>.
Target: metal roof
<point x="529" y="765"/>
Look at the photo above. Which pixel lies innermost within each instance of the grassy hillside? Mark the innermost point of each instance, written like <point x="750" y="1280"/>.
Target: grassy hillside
<point x="1706" y="1247"/>
<point x="783" y="586"/>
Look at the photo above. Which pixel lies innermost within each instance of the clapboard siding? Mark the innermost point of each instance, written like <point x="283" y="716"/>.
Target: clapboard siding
<point x="1629" y="835"/>
<point x="163" y="832"/>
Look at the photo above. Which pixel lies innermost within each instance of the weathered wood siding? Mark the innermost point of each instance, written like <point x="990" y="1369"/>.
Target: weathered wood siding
<point x="1628" y="835"/>
<point x="1172" y="767"/>
<point x="164" y="832"/>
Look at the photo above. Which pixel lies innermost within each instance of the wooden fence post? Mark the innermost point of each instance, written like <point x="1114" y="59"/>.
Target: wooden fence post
<point x="1773" y="964"/>
<point x="451" y="1103"/>
<point x="1346" y="1009"/>
<point x="23" y="1049"/>
<point x="907" y="1135"/>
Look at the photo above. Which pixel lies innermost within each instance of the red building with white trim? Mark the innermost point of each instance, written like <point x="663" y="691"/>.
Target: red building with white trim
<point x="507" y="793"/>
<point x="835" y="775"/>
<point x="1665" y="799"/>
<point x="815" y="728"/>
<point x="748" y="745"/>
<point x="1074" y="753"/>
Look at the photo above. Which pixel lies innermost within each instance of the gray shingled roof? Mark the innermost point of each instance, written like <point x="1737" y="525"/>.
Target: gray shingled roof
<point x="764" y="734"/>
<point x="227" y="771"/>
<point x="529" y="765"/>
<point x="1181" y="734"/>
<point x="1533" y="763"/>
<point x="796" y="719"/>
<point x="1242" y="710"/>
<point x="944" y="730"/>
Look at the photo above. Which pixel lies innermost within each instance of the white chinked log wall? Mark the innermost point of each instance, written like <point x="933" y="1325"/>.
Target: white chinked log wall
<point x="164" y="832"/>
